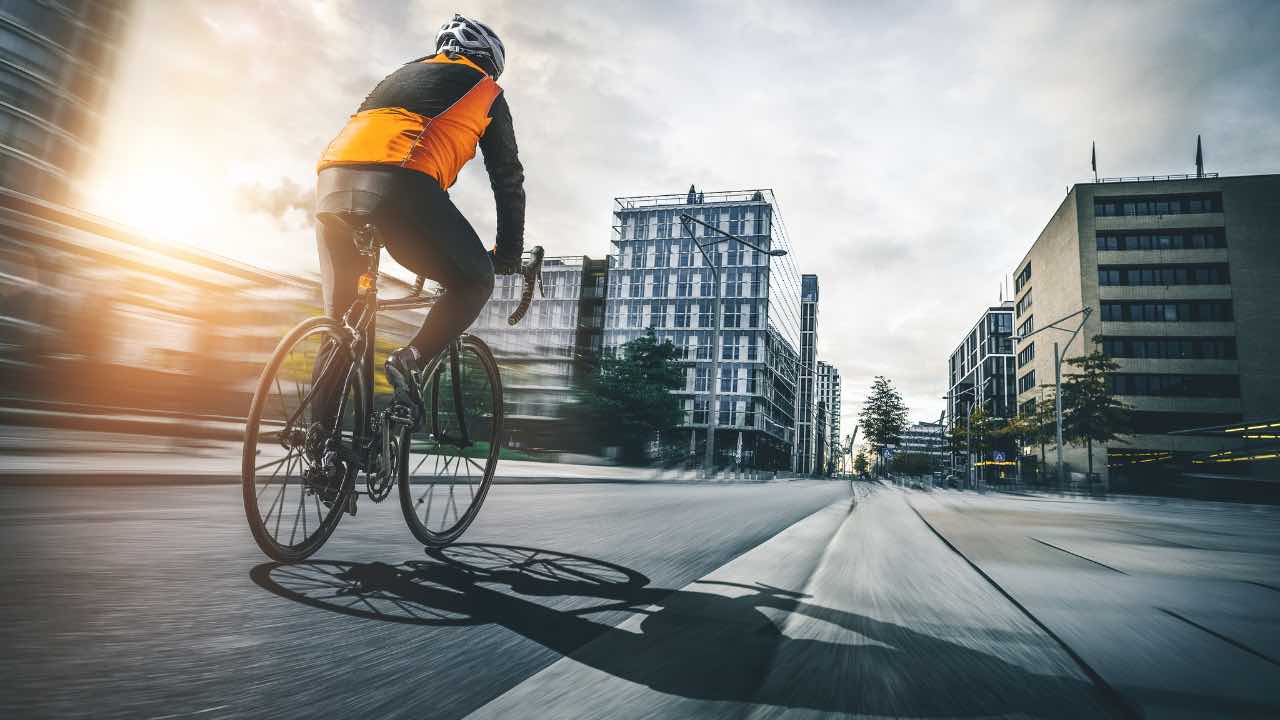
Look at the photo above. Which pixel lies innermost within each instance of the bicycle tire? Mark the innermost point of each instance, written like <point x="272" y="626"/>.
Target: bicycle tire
<point x="253" y="489"/>
<point x="438" y="399"/>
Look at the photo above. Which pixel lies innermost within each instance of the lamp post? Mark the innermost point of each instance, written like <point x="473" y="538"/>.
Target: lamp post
<point x="968" y="424"/>
<point x="1058" y="356"/>
<point x="713" y="409"/>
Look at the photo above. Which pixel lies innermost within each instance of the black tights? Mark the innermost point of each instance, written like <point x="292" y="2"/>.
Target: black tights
<point x="423" y="231"/>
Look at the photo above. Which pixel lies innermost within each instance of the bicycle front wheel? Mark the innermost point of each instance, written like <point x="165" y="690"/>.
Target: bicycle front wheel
<point x="297" y="468"/>
<point x="444" y="472"/>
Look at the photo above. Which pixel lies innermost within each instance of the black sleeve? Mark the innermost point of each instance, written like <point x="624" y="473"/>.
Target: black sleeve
<point x="506" y="175"/>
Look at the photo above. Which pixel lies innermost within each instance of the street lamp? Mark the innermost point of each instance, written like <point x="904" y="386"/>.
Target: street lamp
<point x="968" y="424"/>
<point x="1058" y="356"/>
<point x="968" y="432"/>
<point x="713" y="402"/>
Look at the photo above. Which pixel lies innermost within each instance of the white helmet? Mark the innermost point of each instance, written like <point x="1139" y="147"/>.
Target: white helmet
<point x="469" y="37"/>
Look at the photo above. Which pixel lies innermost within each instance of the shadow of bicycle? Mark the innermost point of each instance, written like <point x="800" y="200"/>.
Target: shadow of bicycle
<point x="721" y="641"/>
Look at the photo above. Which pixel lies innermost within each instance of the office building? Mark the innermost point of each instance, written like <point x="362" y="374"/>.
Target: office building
<point x="806" y="442"/>
<point x="1181" y="274"/>
<point x="925" y="438"/>
<point x="981" y="370"/>
<point x="659" y="279"/>
<point x="545" y="357"/>
<point x="56" y="61"/>
<point x="828" y="393"/>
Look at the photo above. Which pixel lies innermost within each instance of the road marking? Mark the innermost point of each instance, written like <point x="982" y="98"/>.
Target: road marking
<point x="1078" y="555"/>
<point x="1220" y="636"/>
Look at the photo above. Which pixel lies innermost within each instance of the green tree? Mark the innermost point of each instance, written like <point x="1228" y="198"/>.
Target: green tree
<point x="912" y="464"/>
<point x="986" y="433"/>
<point x="1044" y="425"/>
<point x="883" y="416"/>
<point x="628" y="401"/>
<point x="1089" y="412"/>
<point x="860" y="464"/>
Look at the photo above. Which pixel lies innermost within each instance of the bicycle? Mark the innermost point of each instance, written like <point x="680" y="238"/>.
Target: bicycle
<point x="325" y="430"/>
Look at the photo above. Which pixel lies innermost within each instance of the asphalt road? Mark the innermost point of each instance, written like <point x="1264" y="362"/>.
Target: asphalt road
<point x="146" y="602"/>
<point x="796" y="599"/>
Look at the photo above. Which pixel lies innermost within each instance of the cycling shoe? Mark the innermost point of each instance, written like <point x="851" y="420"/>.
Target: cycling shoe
<point x="402" y="368"/>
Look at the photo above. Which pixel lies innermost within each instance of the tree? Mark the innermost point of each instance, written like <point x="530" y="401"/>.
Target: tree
<point x="883" y="416"/>
<point x="912" y="464"/>
<point x="1045" y="425"/>
<point x="629" y="399"/>
<point x="860" y="464"/>
<point x="1016" y="431"/>
<point x="1089" y="412"/>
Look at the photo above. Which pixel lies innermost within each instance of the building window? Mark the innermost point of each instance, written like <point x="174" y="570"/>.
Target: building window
<point x="1190" y="239"/>
<point x="699" y="412"/>
<point x="733" y="316"/>
<point x="684" y="283"/>
<point x="1174" y="385"/>
<point x="682" y="315"/>
<point x="634" y="315"/>
<point x="657" y="315"/>
<point x="1157" y="205"/>
<point x="1174" y="311"/>
<point x="1023" y="278"/>
<point x="1027" y="326"/>
<point x="660" y="284"/>
<point x="1182" y="274"/>
<point x="710" y="216"/>
<point x="704" y="315"/>
<point x="701" y="379"/>
<point x="705" y="287"/>
<point x="1173" y="348"/>
<point x="1026" y="355"/>
<point x="1024" y="304"/>
<point x="665" y="218"/>
<point x="730" y="350"/>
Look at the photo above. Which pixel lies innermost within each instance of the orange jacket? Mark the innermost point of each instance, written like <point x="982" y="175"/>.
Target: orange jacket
<point x="427" y="116"/>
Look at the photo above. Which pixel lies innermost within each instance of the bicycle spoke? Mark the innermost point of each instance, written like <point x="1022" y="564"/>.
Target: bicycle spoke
<point x="266" y="465"/>
<point x="293" y="534"/>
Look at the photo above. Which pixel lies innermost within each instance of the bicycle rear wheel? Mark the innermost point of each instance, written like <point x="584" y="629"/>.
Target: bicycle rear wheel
<point x="296" y="481"/>
<point x="443" y="481"/>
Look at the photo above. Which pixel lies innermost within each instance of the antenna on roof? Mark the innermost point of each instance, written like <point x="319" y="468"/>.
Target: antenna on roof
<point x="1199" y="158"/>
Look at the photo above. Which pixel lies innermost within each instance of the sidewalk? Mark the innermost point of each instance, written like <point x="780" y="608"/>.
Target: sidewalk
<point x="1173" y="603"/>
<point x="38" y="456"/>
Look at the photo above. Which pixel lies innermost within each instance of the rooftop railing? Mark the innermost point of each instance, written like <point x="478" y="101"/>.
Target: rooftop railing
<point x="1155" y="178"/>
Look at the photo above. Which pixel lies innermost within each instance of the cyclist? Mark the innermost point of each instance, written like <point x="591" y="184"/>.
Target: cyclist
<point x="395" y="160"/>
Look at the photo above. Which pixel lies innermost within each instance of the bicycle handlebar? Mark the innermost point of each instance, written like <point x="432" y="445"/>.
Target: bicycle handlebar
<point x="532" y="274"/>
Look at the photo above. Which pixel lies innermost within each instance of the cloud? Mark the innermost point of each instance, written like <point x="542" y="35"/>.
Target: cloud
<point x="282" y="200"/>
<point x="916" y="150"/>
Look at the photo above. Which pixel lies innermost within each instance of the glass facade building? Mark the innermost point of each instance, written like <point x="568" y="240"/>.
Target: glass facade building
<point x="56" y="60"/>
<point x="981" y="370"/>
<point x="828" y="393"/>
<point x="806" y="412"/>
<point x="660" y="280"/>
<point x="545" y="356"/>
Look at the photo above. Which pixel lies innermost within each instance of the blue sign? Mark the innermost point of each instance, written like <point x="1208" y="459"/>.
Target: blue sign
<point x="998" y="456"/>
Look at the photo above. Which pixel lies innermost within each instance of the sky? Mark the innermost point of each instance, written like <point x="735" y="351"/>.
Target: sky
<point x="916" y="149"/>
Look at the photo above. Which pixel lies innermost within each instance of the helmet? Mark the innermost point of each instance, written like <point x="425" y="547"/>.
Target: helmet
<point x="469" y="37"/>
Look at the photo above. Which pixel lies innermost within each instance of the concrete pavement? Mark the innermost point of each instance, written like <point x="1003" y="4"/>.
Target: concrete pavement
<point x="802" y="599"/>
<point x="1175" y="603"/>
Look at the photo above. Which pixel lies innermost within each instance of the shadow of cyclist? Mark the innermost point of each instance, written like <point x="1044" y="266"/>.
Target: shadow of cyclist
<point x="722" y="643"/>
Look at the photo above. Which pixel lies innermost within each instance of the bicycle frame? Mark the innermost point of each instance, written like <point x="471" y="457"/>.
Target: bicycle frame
<point x="361" y="333"/>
